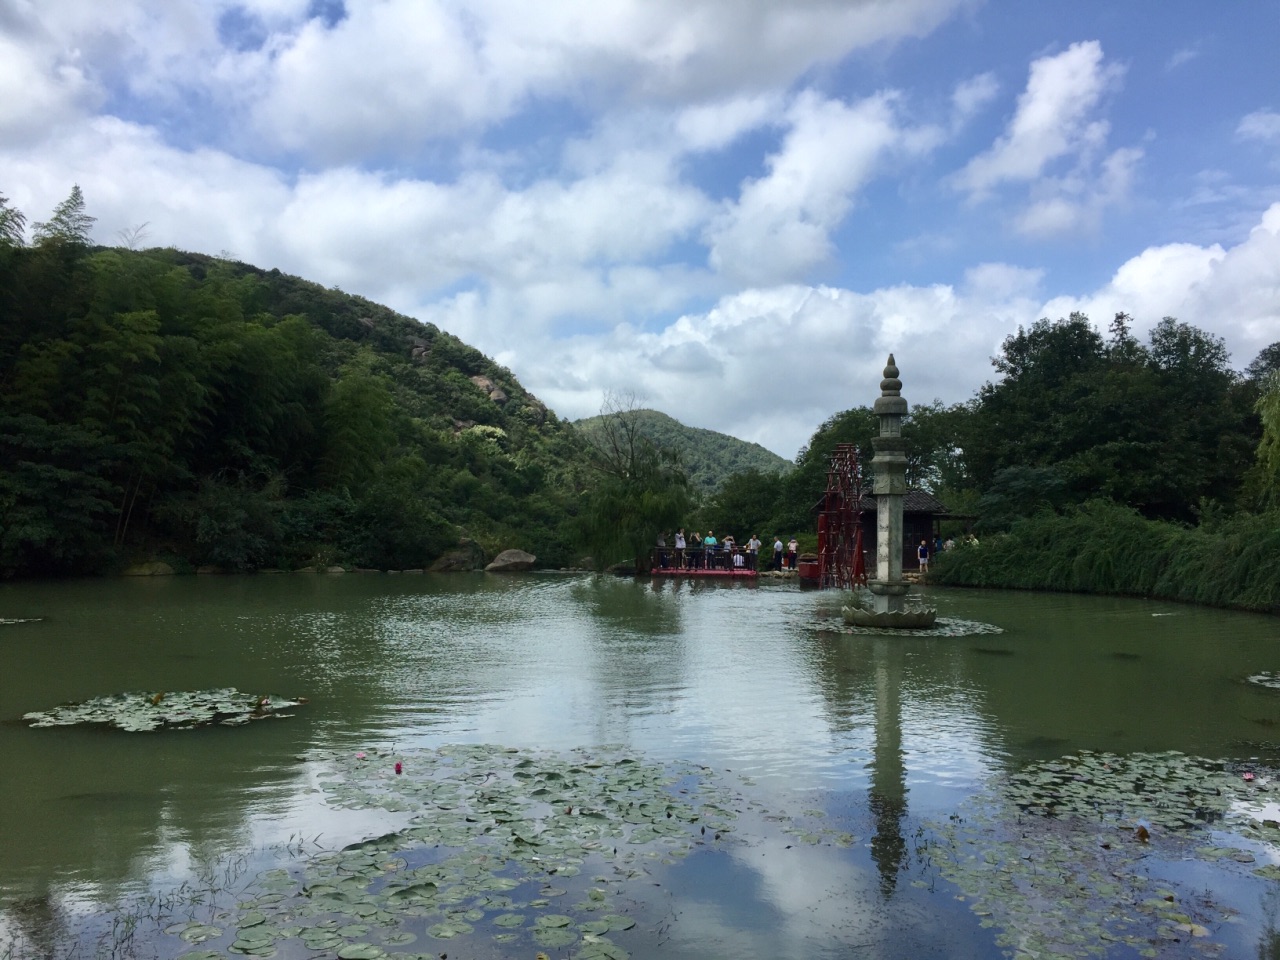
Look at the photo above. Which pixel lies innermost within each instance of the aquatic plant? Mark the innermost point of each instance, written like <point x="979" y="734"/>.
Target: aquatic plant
<point x="518" y="846"/>
<point x="171" y="710"/>
<point x="1067" y="856"/>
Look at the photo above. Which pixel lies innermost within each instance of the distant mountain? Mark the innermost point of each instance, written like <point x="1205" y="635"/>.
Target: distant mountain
<point x="708" y="456"/>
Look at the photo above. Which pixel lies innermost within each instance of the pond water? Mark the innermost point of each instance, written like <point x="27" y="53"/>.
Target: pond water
<point x="802" y="791"/>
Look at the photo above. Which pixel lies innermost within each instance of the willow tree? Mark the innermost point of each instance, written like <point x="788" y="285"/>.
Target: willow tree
<point x="640" y="490"/>
<point x="1267" y="470"/>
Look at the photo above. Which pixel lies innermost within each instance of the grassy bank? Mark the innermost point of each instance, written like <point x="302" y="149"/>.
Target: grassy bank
<point x="1104" y="548"/>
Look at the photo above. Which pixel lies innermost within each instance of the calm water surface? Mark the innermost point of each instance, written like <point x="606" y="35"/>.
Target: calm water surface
<point x="883" y="735"/>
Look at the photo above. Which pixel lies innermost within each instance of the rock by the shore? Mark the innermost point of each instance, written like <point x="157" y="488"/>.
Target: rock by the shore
<point x="152" y="568"/>
<point x="467" y="556"/>
<point x="509" y="561"/>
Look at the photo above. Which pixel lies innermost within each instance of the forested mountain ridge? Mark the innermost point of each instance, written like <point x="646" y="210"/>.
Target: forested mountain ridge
<point x="708" y="457"/>
<point x="161" y="403"/>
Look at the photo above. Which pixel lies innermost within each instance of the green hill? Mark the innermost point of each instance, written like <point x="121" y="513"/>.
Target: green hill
<point x="708" y="457"/>
<point x="173" y="405"/>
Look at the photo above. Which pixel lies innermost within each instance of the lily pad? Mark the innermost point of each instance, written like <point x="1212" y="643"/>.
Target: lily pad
<point x="179" y="710"/>
<point x="199" y="932"/>
<point x="361" y="951"/>
<point x="449" y="929"/>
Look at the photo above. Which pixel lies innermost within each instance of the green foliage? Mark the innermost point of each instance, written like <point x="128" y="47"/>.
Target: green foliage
<point x="1264" y="363"/>
<point x="708" y="457"/>
<point x="235" y="522"/>
<point x="358" y="426"/>
<point x="392" y="527"/>
<point x="639" y="491"/>
<point x="744" y="504"/>
<point x="165" y="402"/>
<point x="1157" y="428"/>
<point x="933" y="435"/>
<point x="1265" y="476"/>
<point x="1103" y="547"/>
<point x="56" y="495"/>
<point x="1018" y="492"/>
<point x="13" y="224"/>
<point x="69" y="225"/>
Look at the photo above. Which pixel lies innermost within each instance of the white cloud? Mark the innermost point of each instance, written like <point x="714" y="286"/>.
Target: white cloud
<point x="713" y="126"/>
<point x="1261" y="125"/>
<point x="770" y="364"/>
<point x="1052" y="119"/>
<point x="971" y="95"/>
<point x="197" y="200"/>
<point x="397" y="73"/>
<point x="1077" y="201"/>
<point x="1234" y="292"/>
<point x="779" y="227"/>
<point x="1055" y="124"/>
<point x="609" y="260"/>
<point x="38" y="89"/>
<point x="1182" y="56"/>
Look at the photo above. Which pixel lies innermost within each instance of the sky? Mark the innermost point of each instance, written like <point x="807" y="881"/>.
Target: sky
<point x="731" y="211"/>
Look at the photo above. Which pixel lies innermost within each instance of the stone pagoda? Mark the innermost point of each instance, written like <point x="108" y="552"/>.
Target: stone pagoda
<point x="889" y="466"/>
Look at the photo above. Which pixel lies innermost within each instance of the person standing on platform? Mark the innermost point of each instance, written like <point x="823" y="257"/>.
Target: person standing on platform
<point x="777" y="553"/>
<point x="793" y="549"/>
<point x="695" y="551"/>
<point x="709" y="544"/>
<point x="680" y="549"/>
<point x="753" y="552"/>
<point x="922" y="554"/>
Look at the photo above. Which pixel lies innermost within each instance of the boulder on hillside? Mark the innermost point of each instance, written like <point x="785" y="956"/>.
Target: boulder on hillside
<point x="495" y="392"/>
<point x="509" y="561"/>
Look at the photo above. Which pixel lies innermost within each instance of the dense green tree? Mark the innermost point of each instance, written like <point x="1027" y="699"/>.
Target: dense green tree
<point x="1157" y="427"/>
<point x="708" y="457"/>
<point x="804" y="486"/>
<point x="56" y="495"/>
<point x="640" y="490"/>
<point x="744" y="504"/>
<point x="69" y="225"/>
<point x="1264" y="363"/>
<point x="359" y="432"/>
<point x="13" y="224"/>
<point x="1047" y="371"/>
<point x="1265" y="476"/>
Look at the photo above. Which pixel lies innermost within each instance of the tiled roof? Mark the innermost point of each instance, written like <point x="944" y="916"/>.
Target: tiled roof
<point x="915" y="501"/>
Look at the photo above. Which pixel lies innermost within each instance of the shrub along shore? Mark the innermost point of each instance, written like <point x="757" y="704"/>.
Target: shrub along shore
<point x="1102" y="547"/>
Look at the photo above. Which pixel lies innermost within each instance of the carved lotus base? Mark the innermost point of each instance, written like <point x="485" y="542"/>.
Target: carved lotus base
<point x="912" y="618"/>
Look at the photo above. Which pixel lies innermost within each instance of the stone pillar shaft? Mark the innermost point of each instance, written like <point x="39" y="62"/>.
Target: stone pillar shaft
<point x="890" y="468"/>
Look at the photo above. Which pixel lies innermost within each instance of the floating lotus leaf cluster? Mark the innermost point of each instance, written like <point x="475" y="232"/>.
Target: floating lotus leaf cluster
<point x="1061" y="856"/>
<point x="512" y="846"/>
<point x="180" y="710"/>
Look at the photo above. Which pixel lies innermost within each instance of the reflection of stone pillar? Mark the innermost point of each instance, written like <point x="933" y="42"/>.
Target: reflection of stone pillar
<point x="890" y="468"/>
<point x="888" y="795"/>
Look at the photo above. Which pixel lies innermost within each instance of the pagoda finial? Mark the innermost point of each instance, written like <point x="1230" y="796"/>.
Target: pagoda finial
<point x="891" y="386"/>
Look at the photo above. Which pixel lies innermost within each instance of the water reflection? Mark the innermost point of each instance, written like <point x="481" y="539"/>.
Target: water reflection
<point x="880" y="732"/>
<point x="888" y="794"/>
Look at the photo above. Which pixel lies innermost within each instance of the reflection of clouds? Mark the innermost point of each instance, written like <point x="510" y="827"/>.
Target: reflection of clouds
<point x="780" y="897"/>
